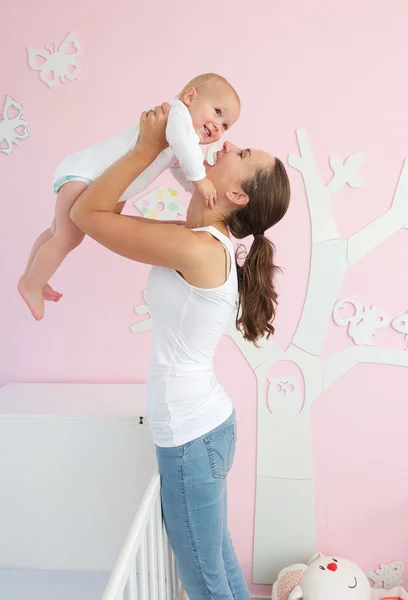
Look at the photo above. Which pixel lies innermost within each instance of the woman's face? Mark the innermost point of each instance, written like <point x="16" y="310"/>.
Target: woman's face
<point x="234" y="165"/>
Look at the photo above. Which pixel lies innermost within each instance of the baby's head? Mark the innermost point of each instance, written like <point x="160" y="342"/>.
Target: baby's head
<point x="213" y="104"/>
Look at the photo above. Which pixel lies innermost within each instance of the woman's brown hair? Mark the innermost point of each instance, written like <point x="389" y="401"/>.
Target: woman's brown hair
<point x="269" y="193"/>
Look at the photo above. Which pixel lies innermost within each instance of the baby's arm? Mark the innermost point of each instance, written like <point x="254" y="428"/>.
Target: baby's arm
<point x="201" y="186"/>
<point x="180" y="176"/>
<point x="183" y="140"/>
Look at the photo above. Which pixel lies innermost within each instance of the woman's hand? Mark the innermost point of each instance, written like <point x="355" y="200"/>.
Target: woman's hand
<point x="152" y="136"/>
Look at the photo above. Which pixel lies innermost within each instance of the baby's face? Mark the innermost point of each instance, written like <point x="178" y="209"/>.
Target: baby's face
<point x="213" y="112"/>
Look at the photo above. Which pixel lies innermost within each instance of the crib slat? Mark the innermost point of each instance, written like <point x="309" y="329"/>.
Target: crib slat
<point x="174" y="576"/>
<point x="160" y="550"/>
<point x="151" y="555"/>
<point x="143" y="571"/>
<point x="133" y="584"/>
<point x="167" y="564"/>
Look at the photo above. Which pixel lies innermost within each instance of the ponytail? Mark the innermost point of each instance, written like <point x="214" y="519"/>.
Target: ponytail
<point x="257" y="296"/>
<point x="269" y="194"/>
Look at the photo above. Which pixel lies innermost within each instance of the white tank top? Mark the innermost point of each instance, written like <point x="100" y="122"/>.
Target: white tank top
<point x="184" y="398"/>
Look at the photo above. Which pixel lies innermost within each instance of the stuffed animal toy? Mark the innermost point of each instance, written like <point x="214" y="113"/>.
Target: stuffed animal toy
<point x="329" y="578"/>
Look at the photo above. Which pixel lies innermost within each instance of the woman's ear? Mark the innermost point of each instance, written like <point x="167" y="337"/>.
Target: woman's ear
<point x="240" y="199"/>
<point x="189" y="95"/>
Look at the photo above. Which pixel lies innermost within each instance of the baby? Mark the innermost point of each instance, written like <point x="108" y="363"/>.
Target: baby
<point x="206" y="107"/>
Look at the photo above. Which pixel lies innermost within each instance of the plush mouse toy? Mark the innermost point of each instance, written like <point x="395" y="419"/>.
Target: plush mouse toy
<point x="329" y="578"/>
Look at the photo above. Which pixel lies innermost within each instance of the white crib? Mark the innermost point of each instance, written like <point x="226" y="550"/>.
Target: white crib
<point x="145" y="569"/>
<point x="80" y="511"/>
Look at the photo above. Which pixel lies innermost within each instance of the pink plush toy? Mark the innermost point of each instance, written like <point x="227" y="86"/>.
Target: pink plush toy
<point x="329" y="578"/>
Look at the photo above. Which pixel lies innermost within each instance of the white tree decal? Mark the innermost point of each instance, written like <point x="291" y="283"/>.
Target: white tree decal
<point x="285" y="523"/>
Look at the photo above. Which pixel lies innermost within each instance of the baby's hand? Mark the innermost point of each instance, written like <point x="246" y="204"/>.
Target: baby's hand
<point x="207" y="189"/>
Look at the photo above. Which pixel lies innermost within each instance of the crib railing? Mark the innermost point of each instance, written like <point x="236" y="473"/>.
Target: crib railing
<point x="145" y="568"/>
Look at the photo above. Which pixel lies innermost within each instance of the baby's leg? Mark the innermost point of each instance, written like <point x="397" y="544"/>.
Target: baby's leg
<point x="45" y="236"/>
<point x="47" y="291"/>
<point x="65" y="236"/>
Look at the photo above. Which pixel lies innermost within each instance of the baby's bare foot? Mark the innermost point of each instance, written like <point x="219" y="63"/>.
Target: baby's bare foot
<point x="33" y="298"/>
<point x="50" y="294"/>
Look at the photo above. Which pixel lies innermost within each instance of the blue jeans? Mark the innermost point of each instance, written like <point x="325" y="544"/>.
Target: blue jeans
<point x="194" y="499"/>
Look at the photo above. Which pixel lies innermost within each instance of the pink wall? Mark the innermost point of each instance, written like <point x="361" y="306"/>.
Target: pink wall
<point x="337" y="69"/>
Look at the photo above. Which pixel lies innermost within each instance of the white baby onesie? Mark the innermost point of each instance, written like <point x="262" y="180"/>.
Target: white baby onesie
<point x="183" y="157"/>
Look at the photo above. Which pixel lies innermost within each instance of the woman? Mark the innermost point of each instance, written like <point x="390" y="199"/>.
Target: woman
<point x="192" y="292"/>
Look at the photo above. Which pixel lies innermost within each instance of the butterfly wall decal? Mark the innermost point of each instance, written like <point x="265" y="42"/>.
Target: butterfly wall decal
<point x="56" y="64"/>
<point x="12" y="127"/>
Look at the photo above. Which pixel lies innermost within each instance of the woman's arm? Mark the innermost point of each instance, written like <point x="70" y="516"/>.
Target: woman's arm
<point x="154" y="221"/>
<point x="93" y="212"/>
<point x="121" y="205"/>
